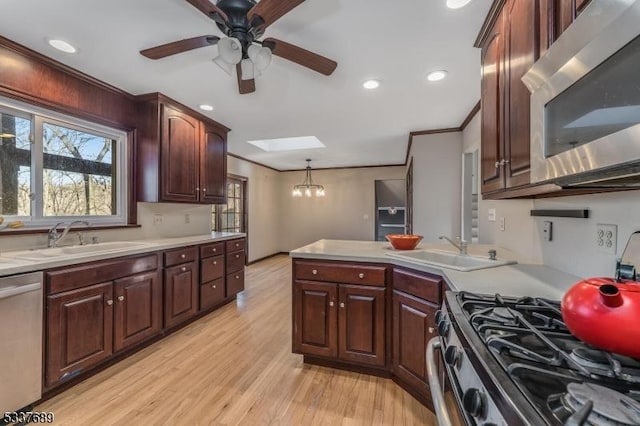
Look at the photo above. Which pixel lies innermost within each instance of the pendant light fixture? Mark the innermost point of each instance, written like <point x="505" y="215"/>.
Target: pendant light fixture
<point x="307" y="187"/>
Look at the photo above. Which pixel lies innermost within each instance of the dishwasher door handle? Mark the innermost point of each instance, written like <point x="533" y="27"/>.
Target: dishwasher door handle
<point x="18" y="289"/>
<point x="437" y="395"/>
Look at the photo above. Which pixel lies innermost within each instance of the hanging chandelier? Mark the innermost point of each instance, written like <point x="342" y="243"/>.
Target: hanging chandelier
<point x="307" y="187"/>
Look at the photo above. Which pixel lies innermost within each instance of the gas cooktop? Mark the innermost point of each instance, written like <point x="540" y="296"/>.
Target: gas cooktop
<point x="567" y="381"/>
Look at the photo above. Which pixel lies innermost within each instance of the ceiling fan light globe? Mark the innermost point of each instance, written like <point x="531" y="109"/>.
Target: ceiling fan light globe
<point x="261" y="56"/>
<point x="230" y="49"/>
<point x="224" y="65"/>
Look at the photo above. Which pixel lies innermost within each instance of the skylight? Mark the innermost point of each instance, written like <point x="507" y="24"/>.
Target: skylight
<point x="288" y="144"/>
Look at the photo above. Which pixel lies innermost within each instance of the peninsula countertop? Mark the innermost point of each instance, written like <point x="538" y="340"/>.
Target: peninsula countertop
<point x="521" y="279"/>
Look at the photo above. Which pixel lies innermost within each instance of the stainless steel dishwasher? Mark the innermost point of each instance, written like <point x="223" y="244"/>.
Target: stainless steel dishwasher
<point x="20" y="341"/>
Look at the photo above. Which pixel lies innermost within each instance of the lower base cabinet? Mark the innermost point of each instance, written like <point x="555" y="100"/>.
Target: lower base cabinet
<point x="211" y="293"/>
<point x="180" y="293"/>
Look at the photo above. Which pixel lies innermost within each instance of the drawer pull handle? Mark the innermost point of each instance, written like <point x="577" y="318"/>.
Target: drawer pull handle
<point x="431" y="330"/>
<point x="109" y="302"/>
<point x="237" y="256"/>
<point x="314" y="272"/>
<point x="183" y="269"/>
<point x="331" y="304"/>
<point x="183" y="256"/>
<point x="213" y="286"/>
<point x="121" y="298"/>
<point x="342" y="304"/>
<point x="361" y="275"/>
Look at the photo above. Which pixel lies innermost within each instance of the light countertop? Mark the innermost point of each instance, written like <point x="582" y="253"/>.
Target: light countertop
<point x="10" y="265"/>
<point x="522" y="279"/>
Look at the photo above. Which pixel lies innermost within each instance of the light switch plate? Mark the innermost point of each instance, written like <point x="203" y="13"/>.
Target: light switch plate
<point x="547" y="230"/>
<point x="491" y="215"/>
<point x="502" y="223"/>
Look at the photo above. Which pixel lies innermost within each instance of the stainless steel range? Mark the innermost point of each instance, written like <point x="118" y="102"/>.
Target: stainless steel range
<point x="512" y="361"/>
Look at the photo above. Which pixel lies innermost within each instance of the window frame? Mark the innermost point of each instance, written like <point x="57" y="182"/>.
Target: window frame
<point x="244" y="217"/>
<point x="38" y="117"/>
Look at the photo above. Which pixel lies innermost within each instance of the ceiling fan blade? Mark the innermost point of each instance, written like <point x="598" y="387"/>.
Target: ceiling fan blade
<point x="300" y="56"/>
<point x="209" y="9"/>
<point x="270" y="11"/>
<point x="244" y="86"/>
<point x="169" y="49"/>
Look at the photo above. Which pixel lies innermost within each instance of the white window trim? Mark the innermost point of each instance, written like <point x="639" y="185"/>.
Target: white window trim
<point x="38" y="117"/>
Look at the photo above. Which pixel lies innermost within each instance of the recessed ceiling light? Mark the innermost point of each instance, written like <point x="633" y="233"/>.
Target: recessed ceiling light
<point x="206" y="107"/>
<point x="457" y="4"/>
<point x="371" y="84"/>
<point x="437" y="75"/>
<point x="62" y="46"/>
<point x="288" y="144"/>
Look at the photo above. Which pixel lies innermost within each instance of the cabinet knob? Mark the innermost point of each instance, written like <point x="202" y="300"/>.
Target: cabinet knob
<point x="204" y="189"/>
<point x="183" y="269"/>
<point x="215" y="262"/>
<point x="213" y="286"/>
<point x="361" y="275"/>
<point x="237" y="244"/>
<point x="331" y="304"/>
<point x="183" y="256"/>
<point x="109" y="302"/>
<point x="121" y="298"/>
<point x="314" y="272"/>
<point x="197" y="189"/>
<point x="214" y="250"/>
<point x="342" y="304"/>
<point x="237" y="256"/>
<point x="497" y="164"/>
<point x="431" y="330"/>
<point x="237" y="277"/>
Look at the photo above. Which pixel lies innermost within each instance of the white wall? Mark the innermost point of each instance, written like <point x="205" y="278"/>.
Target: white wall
<point x="437" y="179"/>
<point x="346" y="212"/>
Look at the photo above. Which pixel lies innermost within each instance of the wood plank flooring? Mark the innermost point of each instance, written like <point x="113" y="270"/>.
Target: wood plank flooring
<point x="235" y="367"/>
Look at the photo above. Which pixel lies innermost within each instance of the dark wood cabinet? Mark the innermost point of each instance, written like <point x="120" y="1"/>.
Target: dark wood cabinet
<point x="234" y="265"/>
<point x="509" y="49"/>
<point x="79" y="331"/>
<point x="361" y="327"/>
<point x="413" y="327"/>
<point x="181" y="155"/>
<point x="341" y="319"/>
<point x="180" y="293"/>
<point x="315" y="318"/>
<point x="137" y="314"/>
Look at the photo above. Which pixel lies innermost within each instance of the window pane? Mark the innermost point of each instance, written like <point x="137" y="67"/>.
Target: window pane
<point x="78" y="173"/>
<point x="15" y="165"/>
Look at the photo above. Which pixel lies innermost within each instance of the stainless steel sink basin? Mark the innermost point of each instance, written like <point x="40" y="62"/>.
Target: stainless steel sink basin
<point x="85" y="250"/>
<point x="444" y="259"/>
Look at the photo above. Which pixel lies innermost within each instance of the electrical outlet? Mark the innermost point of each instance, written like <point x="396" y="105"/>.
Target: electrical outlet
<point x="607" y="238"/>
<point x="491" y="215"/>
<point x="187" y="219"/>
<point x="157" y="219"/>
<point x="502" y="223"/>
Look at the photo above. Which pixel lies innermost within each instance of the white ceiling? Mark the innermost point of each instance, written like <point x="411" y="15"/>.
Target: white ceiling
<point x="397" y="42"/>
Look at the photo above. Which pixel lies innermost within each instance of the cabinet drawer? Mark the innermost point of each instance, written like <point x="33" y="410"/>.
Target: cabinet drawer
<point x="211" y="293"/>
<point x="340" y="272"/>
<point x="85" y="275"/>
<point x="235" y="283"/>
<point x="210" y="250"/>
<point x="419" y="284"/>
<point x="181" y="255"/>
<point x="211" y="268"/>
<point x="235" y="245"/>
<point x="235" y="261"/>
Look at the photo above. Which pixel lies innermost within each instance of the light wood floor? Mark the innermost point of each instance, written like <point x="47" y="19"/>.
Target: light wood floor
<point x="235" y="366"/>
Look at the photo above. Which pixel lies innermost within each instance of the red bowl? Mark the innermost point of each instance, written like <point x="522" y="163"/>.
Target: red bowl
<point x="404" y="241"/>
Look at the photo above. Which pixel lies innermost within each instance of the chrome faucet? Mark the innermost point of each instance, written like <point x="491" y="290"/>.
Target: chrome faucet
<point x="461" y="245"/>
<point x="53" y="236"/>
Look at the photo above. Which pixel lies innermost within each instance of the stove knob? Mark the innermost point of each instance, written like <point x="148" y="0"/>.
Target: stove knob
<point x="452" y="355"/>
<point x="473" y="402"/>
<point x="443" y="328"/>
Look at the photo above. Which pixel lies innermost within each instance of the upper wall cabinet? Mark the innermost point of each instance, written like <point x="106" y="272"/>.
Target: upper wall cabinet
<point x="181" y="156"/>
<point x="510" y="46"/>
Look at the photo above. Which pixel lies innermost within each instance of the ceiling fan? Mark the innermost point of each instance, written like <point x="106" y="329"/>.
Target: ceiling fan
<point x="244" y="22"/>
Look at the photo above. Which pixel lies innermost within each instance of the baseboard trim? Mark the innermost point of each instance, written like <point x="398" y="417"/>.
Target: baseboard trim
<point x="286" y="253"/>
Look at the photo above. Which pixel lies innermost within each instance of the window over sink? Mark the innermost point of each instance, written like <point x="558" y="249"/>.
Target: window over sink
<point x="57" y="168"/>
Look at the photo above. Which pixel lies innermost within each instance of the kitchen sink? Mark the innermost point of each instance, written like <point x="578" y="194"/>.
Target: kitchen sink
<point x="445" y="259"/>
<point x="87" y="249"/>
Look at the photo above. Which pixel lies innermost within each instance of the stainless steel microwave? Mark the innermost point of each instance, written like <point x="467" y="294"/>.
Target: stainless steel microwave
<point x="585" y="100"/>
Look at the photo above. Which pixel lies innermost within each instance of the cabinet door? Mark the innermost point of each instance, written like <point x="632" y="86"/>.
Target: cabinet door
<point x="361" y="330"/>
<point x="213" y="167"/>
<point x="492" y="116"/>
<point x="138" y="300"/>
<point x="180" y="156"/>
<point x="315" y="318"/>
<point x="522" y="50"/>
<point x="79" y="334"/>
<point x="413" y="327"/>
<point x="180" y="293"/>
<point x="235" y="283"/>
